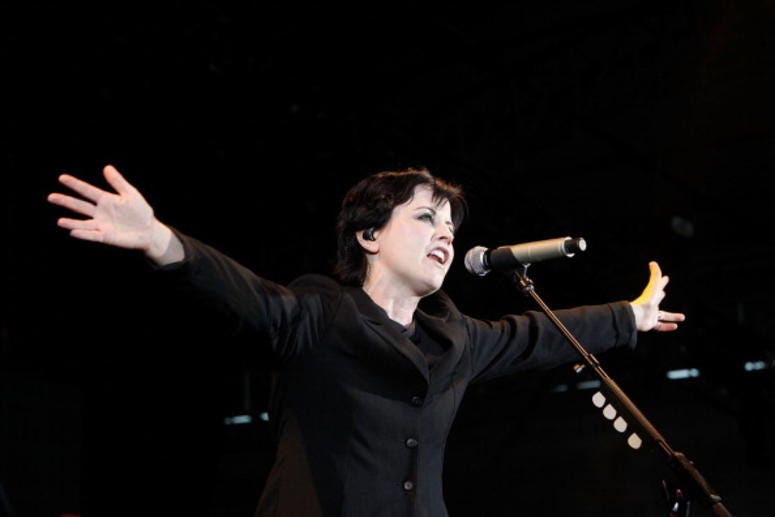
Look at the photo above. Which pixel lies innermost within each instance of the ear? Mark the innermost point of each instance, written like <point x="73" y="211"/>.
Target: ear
<point x="368" y="240"/>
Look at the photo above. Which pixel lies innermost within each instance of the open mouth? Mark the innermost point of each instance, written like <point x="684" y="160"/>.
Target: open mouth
<point x="438" y="255"/>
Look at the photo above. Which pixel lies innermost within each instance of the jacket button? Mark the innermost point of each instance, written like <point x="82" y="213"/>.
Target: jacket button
<point x="417" y="401"/>
<point x="408" y="485"/>
<point x="411" y="443"/>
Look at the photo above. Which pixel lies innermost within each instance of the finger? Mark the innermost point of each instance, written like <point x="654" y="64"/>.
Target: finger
<point x="77" y="224"/>
<point x="76" y="205"/>
<point x="117" y="181"/>
<point x="87" y="235"/>
<point x="657" y="281"/>
<point x="85" y="189"/>
<point x="662" y="282"/>
<point x="665" y="316"/>
<point x="655" y="273"/>
<point x="657" y="296"/>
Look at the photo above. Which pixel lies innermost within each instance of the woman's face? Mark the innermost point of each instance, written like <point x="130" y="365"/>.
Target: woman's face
<point x="415" y="246"/>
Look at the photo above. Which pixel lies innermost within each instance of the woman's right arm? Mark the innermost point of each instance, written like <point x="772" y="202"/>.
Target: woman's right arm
<point x="122" y="218"/>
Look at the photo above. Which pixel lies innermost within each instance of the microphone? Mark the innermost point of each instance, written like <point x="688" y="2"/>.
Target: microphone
<point x="480" y="260"/>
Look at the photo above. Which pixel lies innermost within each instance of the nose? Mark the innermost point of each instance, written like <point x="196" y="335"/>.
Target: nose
<point x="445" y="233"/>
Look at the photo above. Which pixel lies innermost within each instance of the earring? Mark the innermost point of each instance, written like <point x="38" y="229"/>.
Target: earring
<point x="369" y="234"/>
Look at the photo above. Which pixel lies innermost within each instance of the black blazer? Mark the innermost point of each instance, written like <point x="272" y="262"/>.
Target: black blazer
<point x="362" y="422"/>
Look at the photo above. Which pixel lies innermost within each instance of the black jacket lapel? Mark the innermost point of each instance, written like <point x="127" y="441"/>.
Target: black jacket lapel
<point x="376" y="319"/>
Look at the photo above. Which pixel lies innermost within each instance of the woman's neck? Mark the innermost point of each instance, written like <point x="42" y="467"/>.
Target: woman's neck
<point x="399" y="308"/>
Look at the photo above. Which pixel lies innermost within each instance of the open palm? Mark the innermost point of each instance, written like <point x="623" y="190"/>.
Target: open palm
<point x="122" y="218"/>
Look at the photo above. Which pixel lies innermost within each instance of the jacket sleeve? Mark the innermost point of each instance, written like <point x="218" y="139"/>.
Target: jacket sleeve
<point x="285" y="319"/>
<point x="531" y="341"/>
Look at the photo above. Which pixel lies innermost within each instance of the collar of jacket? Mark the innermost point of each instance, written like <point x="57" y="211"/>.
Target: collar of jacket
<point x="437" y="315"/>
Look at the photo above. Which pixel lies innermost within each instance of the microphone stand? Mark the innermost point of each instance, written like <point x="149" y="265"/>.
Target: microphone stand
<point x="686" y="472"/>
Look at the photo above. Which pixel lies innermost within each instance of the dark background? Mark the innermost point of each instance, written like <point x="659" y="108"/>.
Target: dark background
<point x="647" y="128"/>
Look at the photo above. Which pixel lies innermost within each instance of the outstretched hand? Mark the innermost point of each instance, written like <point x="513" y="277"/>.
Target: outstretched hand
<point x="648" y="316"/>
<point x="122" y="218"/>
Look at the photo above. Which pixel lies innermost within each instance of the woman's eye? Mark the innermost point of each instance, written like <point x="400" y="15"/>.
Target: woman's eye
<point x="426" y="217"/>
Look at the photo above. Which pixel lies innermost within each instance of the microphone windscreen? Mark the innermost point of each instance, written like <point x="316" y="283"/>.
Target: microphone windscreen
<point x="475" y="261"/>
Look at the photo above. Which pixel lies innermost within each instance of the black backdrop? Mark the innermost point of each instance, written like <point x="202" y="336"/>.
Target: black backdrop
<point x="647" y="129"/>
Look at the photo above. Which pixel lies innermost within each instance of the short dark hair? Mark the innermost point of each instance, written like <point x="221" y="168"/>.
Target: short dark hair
<point x="370" y="203"/>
